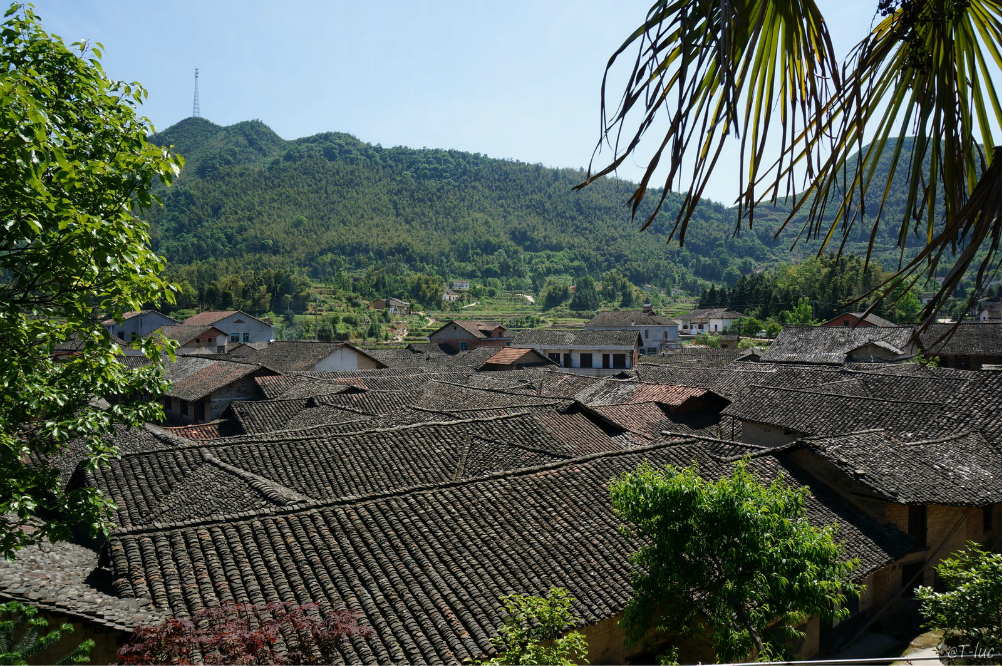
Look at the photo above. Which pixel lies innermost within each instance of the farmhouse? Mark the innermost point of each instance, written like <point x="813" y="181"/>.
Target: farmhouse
<point x="137" y="325"/>
<point x="657" y="333"/>
<point x="838" y="345"/>
<point x="708" y="320"/>
<point x="584" y="351"/>
<point x="196" y="339"/>
<point x="460" y="335"/>
<point x="965" y="346"/>
<point x="240" y="326"/>
<point x="202" y="389"/>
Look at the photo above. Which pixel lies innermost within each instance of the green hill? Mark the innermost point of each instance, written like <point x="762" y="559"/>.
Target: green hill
<point x="248" y="200"/>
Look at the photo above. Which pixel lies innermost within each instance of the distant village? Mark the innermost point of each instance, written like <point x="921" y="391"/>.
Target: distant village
<point x="416" y="485"/>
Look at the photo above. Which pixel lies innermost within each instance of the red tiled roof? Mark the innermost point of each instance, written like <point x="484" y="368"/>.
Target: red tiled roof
<point x="508" y="355"/>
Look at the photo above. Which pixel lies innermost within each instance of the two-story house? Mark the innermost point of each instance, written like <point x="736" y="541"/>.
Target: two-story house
<point x="136" y="325"/>
<point x="240" y="326"/>
<point x="657" y="333"/>
<point x="708" y="320"/>
<point x="583" y="351"/>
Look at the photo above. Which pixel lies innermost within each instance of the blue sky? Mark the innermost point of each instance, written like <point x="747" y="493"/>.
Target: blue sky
<point x="517" y="79"/>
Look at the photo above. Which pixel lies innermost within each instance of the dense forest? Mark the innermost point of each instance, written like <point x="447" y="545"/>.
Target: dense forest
<point x="254" y="220"/>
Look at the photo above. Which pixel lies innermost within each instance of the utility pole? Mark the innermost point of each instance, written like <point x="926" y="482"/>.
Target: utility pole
<point x="196" y="113"/>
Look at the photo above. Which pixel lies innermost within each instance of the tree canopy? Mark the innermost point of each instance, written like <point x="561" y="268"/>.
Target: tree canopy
<point x="736" y="553"/>
<point x="75" y="168"/>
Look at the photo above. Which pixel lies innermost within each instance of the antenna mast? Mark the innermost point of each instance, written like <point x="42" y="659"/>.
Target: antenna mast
<point x="195" y="105"/>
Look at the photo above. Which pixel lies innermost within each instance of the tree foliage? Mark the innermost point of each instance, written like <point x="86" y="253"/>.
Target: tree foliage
<point x="968" y="611"/>
<point x="231" y="633"/>
<point x="74" y="167"/>
<point x="24" y="635"/>
<point x="756" y="67"/>
<point x="534" y="631"/>
<point x="735" y="553"/>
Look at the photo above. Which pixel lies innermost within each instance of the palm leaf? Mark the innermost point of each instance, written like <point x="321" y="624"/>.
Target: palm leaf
<point x="699" y="60"/>
<point x="921" y="72"/>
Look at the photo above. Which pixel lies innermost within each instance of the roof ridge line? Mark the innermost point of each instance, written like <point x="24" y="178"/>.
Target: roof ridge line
<point x="840" y="395"/>
<point x="401" y="492"/>
<point x="271" y="489"/>
<point x="213" y="443"/>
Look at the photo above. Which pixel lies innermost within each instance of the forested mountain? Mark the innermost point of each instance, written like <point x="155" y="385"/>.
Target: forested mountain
<point x="248" y="200"/>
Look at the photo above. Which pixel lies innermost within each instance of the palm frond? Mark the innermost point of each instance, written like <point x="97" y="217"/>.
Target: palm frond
<point x="717" y="66"/>
<point x="921" y="72"/>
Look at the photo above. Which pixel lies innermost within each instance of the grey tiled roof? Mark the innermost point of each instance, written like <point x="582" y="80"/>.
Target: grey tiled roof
<point x="425" y="567"/>
<point x="969" y="338"/>
<point x="712" y="313"/>
<point x="622" y="318"/>
<point x="194" y="378"/>
<point x="815" y="413"/>
<point x="553" y="337"/>
<point x="831" y="344"/>
<point x="962" y="470"/>
<point x="316" y="464"/>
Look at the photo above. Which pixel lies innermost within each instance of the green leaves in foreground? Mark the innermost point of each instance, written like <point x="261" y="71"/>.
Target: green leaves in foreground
<point x="533" y="628"/>
<point x="75" y="169"/>
<point x="735" y="553"/>
<point x="968" y="611"/>
<point x="24" y="635"/>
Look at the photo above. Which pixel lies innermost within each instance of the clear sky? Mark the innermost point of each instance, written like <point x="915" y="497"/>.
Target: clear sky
<point x="516" y="79"/>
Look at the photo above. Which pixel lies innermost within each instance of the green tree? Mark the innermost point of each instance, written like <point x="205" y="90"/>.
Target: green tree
<point x="752" y="67"/>
<point x="968" y="610"/>
<point x="75" y="168"/>
<point x="586" y="296"/>
<point x="773" y="329"/>
<point x="800" y="314"/>
<point x="533" y="628"/>
<point x="735" y="553"/>
<point x="24" y="635"/>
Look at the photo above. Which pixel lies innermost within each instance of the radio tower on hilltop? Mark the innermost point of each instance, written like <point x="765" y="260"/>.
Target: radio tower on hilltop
<point x="195" y="105"/>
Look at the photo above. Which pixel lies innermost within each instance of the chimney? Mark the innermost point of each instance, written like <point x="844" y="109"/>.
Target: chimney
<point x="646" y="307"/>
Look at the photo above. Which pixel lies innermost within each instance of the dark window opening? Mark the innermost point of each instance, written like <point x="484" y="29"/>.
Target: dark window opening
<point x="962" y="362"/>
<point x="645" y="333"/>
<point x="586" y="360"/>
<point x="917" y="523"/>
<point x="247" y="337"/>
<point x="220" y="349"/>
<point x="200" y="412"/>
<point x="235" y="337"/>
<point x="605" y="361"/>
<point x="167" y="403"/>
<point x="464" y="346"/>
<point x="184" y="408"/>
<point x="987" y="519"/>
<point x="908" y="572"/>
<point x="619" y="360"/>
<point x="567" y="360"/>
<point x="556" y="358"/>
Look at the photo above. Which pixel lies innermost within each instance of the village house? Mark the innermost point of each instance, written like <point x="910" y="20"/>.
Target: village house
<point x="459" y="285"/>
<point x="461" y="335"/>
<point x="239" y="326"/>
<point x="358" y="529"/>
<point x="657" y="333"/>
<point x="202" y="388"/>
<point x="965" y="346"/>
<point x="311" y="356"/>
<point x="708" y="320"/>
<point x="836" y="345"/>
<point x="584" y="351"/>
<point x="395" y="305"/>
<point x="990" y="310"/>
<point x="943" y="492"/>
<point x="450" y="296"/>
<point x="857" y="320"/>
<point x="196" y="339"/>
<point x="136" y="325"/>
